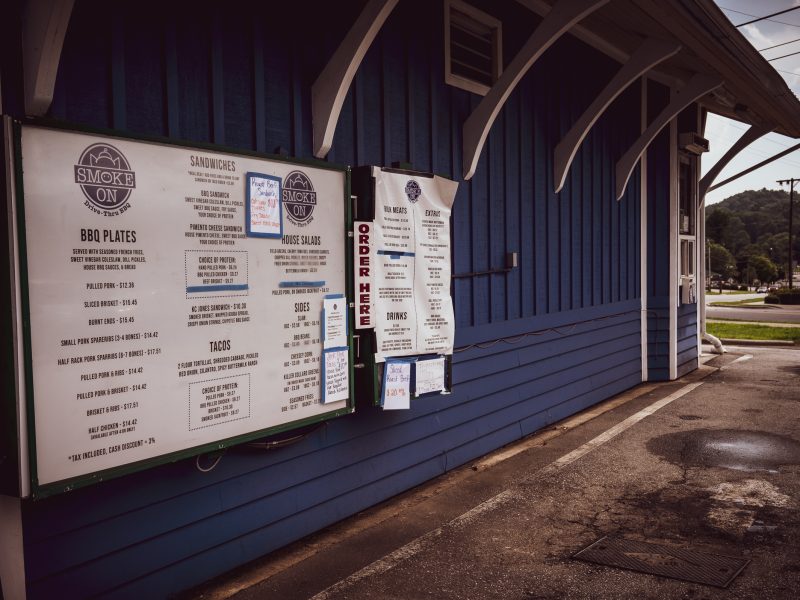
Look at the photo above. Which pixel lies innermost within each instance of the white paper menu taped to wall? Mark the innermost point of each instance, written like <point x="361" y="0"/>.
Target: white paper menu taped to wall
<point x="413" y="309"/>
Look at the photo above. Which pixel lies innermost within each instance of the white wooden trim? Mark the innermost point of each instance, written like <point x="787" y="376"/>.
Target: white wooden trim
<point x="563" y="15"/>
<point x="697" y="87"/>
<point x="700" y="248"/>
<point x="460" y="82"/>
<point x="674" y="246"/>
<point x="748" y="137"/>
<point x="643" y="289"/>
<point x="12" y="555"/>
<point x="755" y="167"/>
<point x="650" y="53"/>
<point x="589" y="37"/>
<point x="330" y="88"/>
<point x="44" y="27"/>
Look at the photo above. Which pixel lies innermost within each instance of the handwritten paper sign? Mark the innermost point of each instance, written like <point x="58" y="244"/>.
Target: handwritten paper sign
<point x="335" y="375"/>
<point x="430" y="376"/>
<point x="334" y="321"/>
<point x="264" y="206"/>
<point x="397" y="385"/>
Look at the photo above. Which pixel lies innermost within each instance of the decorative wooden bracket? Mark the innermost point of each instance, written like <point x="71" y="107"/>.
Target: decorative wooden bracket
<point x="649" y="54"/>
<point x="44" y="27"/>
<point x="755" y="167"/>
<point x="330" y="88"/>
<point x="697" y="87"/>
<point x="558" y="21"/>
<point x="749" y="136"/>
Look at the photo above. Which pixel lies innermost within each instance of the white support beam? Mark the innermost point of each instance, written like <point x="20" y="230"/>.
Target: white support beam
<point x="748" y="137"/>
<point x="44" y="27"/>
<point x="649" y="54"/>
<point x="330" y="88"/>
<point x="563" y="15"/>
<point x="755" y="167"/>
<point x="697" y="87"/>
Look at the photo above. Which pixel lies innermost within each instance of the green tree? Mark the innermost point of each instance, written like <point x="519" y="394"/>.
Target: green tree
<point x="776" y="248"/>
<point x="722" y="261"/>
<point x="765" y="269"/>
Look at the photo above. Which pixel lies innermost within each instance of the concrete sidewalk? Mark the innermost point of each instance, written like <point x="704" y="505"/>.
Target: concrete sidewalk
<point x="709" y="463"/>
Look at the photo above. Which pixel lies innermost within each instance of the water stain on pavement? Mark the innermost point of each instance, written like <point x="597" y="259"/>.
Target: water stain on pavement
<point x="728" y="449"/>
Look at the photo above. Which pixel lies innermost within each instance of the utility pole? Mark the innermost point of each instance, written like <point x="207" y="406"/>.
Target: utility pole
<point x="791" y="204"/>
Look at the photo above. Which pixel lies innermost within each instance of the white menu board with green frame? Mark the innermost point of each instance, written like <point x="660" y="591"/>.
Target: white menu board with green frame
<point x="174" y="297"/>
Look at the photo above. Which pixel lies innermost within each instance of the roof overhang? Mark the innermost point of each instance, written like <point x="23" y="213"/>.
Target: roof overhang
<point x="753" y="92"/>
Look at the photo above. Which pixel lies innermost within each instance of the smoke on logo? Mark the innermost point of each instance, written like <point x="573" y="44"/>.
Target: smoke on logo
<point x="106" y="179"/>
<point x="299" y="198"/>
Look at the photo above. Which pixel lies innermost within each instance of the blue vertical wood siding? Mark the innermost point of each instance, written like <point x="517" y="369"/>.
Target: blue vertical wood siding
<point x="658" y="248"/>
<point x="687" y="339"/>
<point x="559" y="333"/>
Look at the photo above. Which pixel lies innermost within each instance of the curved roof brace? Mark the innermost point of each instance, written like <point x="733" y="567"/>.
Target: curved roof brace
<point x="697" y="87"/>
<point x="44" y="27"/>
<point x="330" y="88"/>
<point x="649" y="54"/>
<point x="755" y="167"/>
<point x="563" y="15"/>
<point x="748" y="137"/>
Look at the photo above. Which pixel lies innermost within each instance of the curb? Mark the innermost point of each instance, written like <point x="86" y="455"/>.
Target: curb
<point x="778" y="343"/>
<point x="751" y="305"/>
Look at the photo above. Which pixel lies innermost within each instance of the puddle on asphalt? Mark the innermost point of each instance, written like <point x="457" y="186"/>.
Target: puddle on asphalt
<point x="727" y="448"/>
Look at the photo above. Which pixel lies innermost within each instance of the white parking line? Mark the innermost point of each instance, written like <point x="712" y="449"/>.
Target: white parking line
<point x="417" y="545"/>
<point x="743" y="358"/>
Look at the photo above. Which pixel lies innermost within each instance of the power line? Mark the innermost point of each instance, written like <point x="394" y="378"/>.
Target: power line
<point x="778" y="45"/>
<point x="788" y="72"/>
<point x="784" y="56"/>
<point x="757" y="19"/>
<point x="749" y="15"/>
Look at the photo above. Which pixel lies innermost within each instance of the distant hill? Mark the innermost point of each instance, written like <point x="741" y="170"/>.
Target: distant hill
<point x="754" y="223"/>
<point x="762" y="212"/>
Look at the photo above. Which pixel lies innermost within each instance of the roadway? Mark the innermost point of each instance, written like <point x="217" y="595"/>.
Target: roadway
<point x="755" y="312"/>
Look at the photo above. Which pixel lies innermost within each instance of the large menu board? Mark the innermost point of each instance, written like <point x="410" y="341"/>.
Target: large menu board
<point x="410" y="246"/>
<point x="176" y="298"/>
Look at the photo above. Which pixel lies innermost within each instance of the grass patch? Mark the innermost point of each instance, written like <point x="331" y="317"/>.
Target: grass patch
<point x="742" y="331"/>
<point x="739" y="302"/>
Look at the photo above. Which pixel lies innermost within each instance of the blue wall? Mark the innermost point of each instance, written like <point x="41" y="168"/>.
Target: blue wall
<point x="658" y="246"/>
<point x="687" y="339"/>
<point x="242" y="78"/>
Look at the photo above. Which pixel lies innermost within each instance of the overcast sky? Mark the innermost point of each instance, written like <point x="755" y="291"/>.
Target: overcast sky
<point x="722" y="132"/>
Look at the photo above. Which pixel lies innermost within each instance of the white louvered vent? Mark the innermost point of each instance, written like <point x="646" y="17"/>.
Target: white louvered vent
<point x="473" y="47"/>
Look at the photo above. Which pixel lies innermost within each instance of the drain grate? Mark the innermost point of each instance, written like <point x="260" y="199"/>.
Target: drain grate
<point x="666" y="561"/>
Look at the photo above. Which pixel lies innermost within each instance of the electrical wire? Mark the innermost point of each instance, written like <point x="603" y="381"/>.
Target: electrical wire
<point x="749" y="15"/>
<point x="788" y="72"/>
<point x="281" y="443"/>
<point x="784" y="56"/>
<point x="779" y="45"/>
<point x="775" y="14"/>
<point x="213" y="464"/>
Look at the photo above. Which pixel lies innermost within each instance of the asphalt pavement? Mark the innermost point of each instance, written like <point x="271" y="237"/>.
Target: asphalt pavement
<point x="709" y="463"/>
<point x="714" y="297"/>
<point x="767" y="313"/>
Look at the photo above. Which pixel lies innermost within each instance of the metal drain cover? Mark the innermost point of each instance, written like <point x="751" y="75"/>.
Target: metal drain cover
<point x="666" y="561"/>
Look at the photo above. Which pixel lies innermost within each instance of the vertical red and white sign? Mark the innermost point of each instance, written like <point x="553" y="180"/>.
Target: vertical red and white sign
<point x="364" y="276"/>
